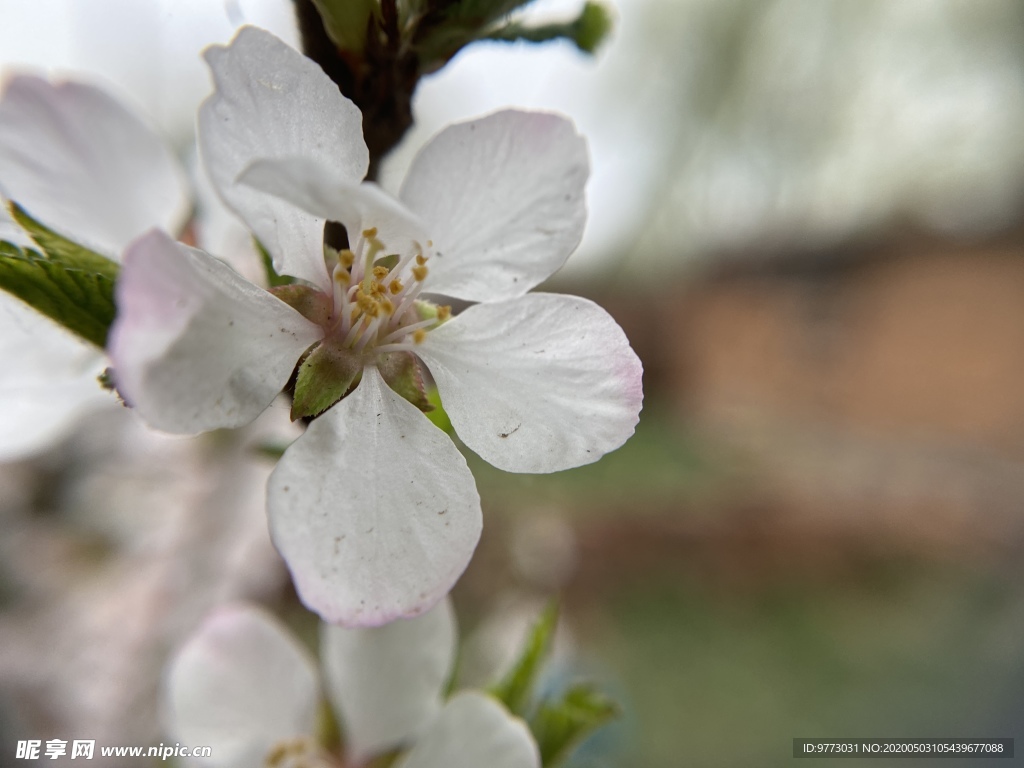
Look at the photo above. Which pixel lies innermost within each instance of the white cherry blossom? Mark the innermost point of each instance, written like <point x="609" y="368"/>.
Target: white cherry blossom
<point x="245" y="687"/>
<point x="374" y="508"/>
<point x="83" y="164"/>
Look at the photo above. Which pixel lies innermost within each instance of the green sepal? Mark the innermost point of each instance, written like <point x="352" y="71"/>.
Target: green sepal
<point x="515" y="690"/>
<point x="65" y="281"/>
<point x="587" y="31"/>
<point x="273" y="279"/>
<point x="312" y="304"/>
<point x="438" y="415"/>
<point x="346" y="21"/>
<point x="402" y="373"/>
<point x="559" y="726"/>
<point x="327" y="373"/>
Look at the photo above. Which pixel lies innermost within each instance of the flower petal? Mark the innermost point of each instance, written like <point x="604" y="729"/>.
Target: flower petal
<point x="325" y="194"/>
<point x="80" y="162"/>
<point x="503" y="198"/>
<point x="47" y="382"/>
<point x="386" y="682"/>
<point x="537" y="384"/>
<point x="271" y="101"/>
<point x="474" y="730"/>
<point x="240" y="685"/>
<point x="195" y="346"/>
<point x="373" y="509"/>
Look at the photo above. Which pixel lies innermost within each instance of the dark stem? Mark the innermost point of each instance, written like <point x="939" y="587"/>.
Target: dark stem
<point x="380" y="81"/>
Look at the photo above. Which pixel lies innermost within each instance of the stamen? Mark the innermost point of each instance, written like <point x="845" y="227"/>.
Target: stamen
<point x="368" y="333"/>
<point x="380" y="272"/>
<point x="346" y="258"/>
<point x="443" y="313"/>
<point x="419" y="272"/>
<point x="419" y="335"/>
<point x="405" y="330"/>
<point x="395" y="286"/>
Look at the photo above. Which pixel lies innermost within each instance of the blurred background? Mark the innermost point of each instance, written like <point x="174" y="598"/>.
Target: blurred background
<point x="807" y="216"/>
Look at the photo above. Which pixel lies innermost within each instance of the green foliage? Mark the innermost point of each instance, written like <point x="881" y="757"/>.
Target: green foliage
<point x="515" y="690"/>
<point x="65" y="281"/>
<point x="327" y="373"/>
<point x="559" y="726"/>
<point x="587" y="31"/>
<point x="558" y="723"/>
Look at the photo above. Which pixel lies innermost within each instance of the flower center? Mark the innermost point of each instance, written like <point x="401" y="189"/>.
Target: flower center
<point x="376" y="297"/>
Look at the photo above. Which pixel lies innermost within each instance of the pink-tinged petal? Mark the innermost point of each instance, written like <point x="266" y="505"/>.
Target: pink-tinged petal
<point x="540" y="383"/>
<point x="48" y="380"/>
<point x="386" y="682"/>
<point x="373" y="509"/>
<point x="503" y="198"/>
<point x="325" y="194"/>
<point x="80" y="162"/>
<point x="271" y="101"/>
<point x="240" y="685"/>
<point x="195" y="346"/>
<point x="474" y="730"/>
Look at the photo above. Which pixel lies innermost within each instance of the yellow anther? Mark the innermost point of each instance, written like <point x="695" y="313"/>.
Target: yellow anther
<point x="419" y="335"/>
<point x="377" y="289"/>
<point x="380" y="272"/>
<point x="421" y="259"/>
<point x="342" y="277"/>
<point x="443" y="313"/>
<point x="388" y="307"/>
<point x="346" y="258"/>
<point x="419" y="272"/>
<point x="395" y="286"/>
<point x="371" y="232"/>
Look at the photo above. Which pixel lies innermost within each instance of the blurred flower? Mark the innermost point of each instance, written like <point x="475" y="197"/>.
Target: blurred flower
<point x="532" y="383"/>
<point x="243" y="686"/>
<point x="79" y="161"/>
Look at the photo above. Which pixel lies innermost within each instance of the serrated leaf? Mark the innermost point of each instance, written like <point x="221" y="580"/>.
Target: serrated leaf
<point x="560" y="726"/>
<point x="65" y="281"/>
<point x="516" y="689"/>
<point x="327" y="373"/>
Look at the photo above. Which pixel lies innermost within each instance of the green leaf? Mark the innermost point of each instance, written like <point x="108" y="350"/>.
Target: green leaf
<point x="560" y="726"/>
<point x="346" y="21"/>
<point x="327" y="373"/>
<point x="64" y="280"/>
<point x="587" y="31"/>
<point x="516" y="689"/>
